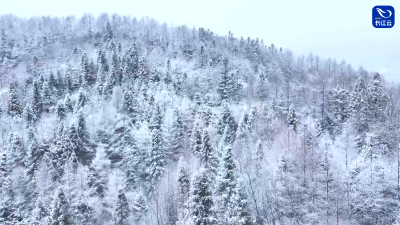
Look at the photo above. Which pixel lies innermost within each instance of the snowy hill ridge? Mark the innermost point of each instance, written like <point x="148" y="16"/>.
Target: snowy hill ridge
<point x="115" y="120"/>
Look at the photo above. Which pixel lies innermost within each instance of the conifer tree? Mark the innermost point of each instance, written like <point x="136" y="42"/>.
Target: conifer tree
<point x="201" y="200"/>
<point x="60" y="110"/>
<point x="60" y="209"/>
<point x="156" y="158"/>
<point x="359" y="103"/>
<point x="225" y="83"/>
<point x="68" y="104"/>
<point x="130" y="106"/>
<point x="95" y="183"/>
<point x="377" y="99"/>
<point x="109" y="33"/>
<point x="132" y="160"/>
<point x="14" y="105"/>
<point x="15" y="150"/>
<point x="240" y="209"/>
<point x="39" y="213"/>
<point x="183" y="181"/>
<point x="82" y="129"/>
<point x="47" y="97"/>
<point x="226" y="178"/>
<point x="29" y="116"/>
<point x="121" y="211"/>
<point x="155" y="75"/>
<point x="339" y="103"/>
<point x="37" y="105"/>
<point x="60" y="85"/>
<point x="52" y="81"/>
<point x="196" y="138"/>
<point x="225" y="119"/>
<point x="82" y="99"/>
<point x="292" y="120"/>
<point x="139" y="208"/>
<point x="244" y="127"/>
<point x="258" y="157"/>
<point x="157" y="118"/>
<point x="83" y="214"/>
<point x="68" y="82"/>
<point x="208" y="157"/>
<point x="178" y="135"/>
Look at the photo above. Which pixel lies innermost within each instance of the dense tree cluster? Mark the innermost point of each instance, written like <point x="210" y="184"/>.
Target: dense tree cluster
<point x="115" y="120"/>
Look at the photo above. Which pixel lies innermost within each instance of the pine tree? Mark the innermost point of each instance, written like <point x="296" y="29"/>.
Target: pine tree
<point x="377" y="99"/>
<point x="225" y="83"/>
<point x="262" y="91"/>
<point x="52" y="81"/>
<point x="155" y="75"/>
<point x="228" y="136"/>
<point x="339" y="103"/>
<point x="258" y="157"/>
<point x="202" y="57"/>
<point x="208" y="157"/>
<point x="33" y="155"/>
<point x="82" y="99"/>
<point x="29" y="116"/>
<point x="6" y="201"/>
<point x="87" y="70"/>
<point x="95" y="183"/>
<point x="60" y="209"/>
<point x="139" y="208"/>
<point x="226" y="178"/>
<point x="60" y="85"/>
<point x="168" y="79"/>
<point x="225" y="119"/>
<point x="201" y="201"/>
<point x="15" y="150"/>
<point x="130" y="106"/>
<point x="243" y="131"/>
<point x="47" y="97"/>
<point x="60" y="110"/>
<point x="196" y="138"/>
<point x="109" y="33"/>
<point x="68" y="82"/>
<point x="178" y="135"/>
<point x="183" y="181"/>
<point x="14" y="105"/>
<point x="3" y="46"/>
<point x="121" y="211"/>
<point x="157" y="118"/>
<point x="68" y="104"/>
<point x="83" y="214"/>
<point x="358" y="103"/>
<point x="156" y="158"/>
<point x="39" y="213"/>
<point x="37" y="105"/>
<point x="292" y="120"/>
<point x="81" y="129"/>
<point x="132" y="160"/>
<point x="240" y="209"/>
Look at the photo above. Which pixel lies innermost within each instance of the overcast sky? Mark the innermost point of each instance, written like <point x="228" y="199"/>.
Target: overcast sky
<point x="339" y="29"/>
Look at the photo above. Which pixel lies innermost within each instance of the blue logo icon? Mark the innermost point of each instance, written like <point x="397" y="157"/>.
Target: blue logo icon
<point x="383" y="16"/>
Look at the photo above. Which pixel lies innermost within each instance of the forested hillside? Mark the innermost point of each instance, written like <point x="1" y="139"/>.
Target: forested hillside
<point x="118" y="120"/>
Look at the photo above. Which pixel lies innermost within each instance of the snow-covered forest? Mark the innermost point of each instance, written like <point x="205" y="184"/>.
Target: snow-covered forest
<point x="118" y="120"/>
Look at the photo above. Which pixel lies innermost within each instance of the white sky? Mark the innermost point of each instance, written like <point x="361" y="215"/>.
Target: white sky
<point x="339" y="29"/>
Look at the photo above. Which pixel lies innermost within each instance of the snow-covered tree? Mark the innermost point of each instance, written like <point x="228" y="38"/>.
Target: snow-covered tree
<point x="121" y="211"/>
<point x="201" y="200"/>
<point x="14" y="104"/>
